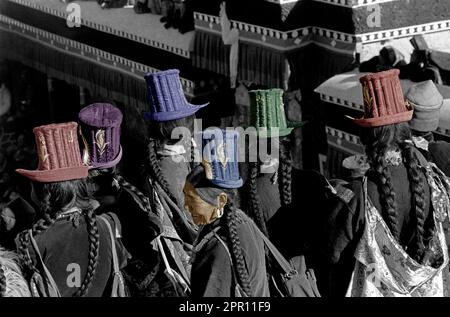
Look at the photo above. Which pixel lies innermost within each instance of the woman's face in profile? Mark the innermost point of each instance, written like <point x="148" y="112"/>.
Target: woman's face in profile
<point x="202" y="212"/>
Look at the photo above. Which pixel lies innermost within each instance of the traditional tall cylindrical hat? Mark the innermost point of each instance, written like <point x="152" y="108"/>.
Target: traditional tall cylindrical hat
<point x="267" y="113"/>
<point x="166" y="97"/>
<point x="100" y="135"/>
<point x="59" y="154"/>
<point x="220" y="157"/>
<point x="384" y="103"/>
<point x="427" y="102"/>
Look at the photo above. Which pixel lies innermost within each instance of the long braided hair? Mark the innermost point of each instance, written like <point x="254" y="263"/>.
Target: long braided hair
<point x="397" y="137"/>
<point x="285" y="172"/>
<point x="53" y="198"/>
<point x="160" y="132"/>
<point x="106" y="177"/>
<point x="284" y="184"/>
<point x="234" y="243"/>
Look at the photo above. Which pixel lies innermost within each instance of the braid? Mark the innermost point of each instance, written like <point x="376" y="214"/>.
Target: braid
<point x="2" y="281"/>
<point x="255" y="207"/>
<point x="154" y="169"/>
<point x="285" y="175"/>
<point x="123" y="183"/>
<point x="387" y="193"/>
<point x="416" y="182"/>
<point x="24" y="241"/>
<point x="192" y="163"/>
<point x="93" y="253"/>
<point x="235" y="244"/>
<point x="40" y="226"/>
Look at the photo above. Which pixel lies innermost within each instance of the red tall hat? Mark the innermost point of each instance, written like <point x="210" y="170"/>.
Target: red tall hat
<point x="384" y="102"/>
<point x="59" y="154"/>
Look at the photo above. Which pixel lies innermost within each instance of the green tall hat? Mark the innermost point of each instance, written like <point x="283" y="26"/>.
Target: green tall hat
<point x="267" y="113"/>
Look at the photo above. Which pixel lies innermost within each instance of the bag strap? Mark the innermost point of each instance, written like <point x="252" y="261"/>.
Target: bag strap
<point x="284" y="264"/>
<point x="47" y="273"/>
<point x="180" y="266"/>
<point x="113" y="244"/>
<point x="175" y="277"/>
<point x="116" y="269"/>
<point x="117" y="224"/>
<point x="235" y="280"/>
<point x="177" y="261"/>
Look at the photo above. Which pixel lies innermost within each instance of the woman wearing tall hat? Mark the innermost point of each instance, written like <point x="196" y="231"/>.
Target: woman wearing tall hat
<point x="387" y="239"/>
<point x="268" y="185"/>
<point x="69" y="251"/>
<point x="168" y="162"/>
<point x="229" y="253"/>
<point x="100" y="130"/>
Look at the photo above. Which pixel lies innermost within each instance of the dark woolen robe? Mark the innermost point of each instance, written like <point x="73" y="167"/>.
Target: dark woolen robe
<point x="64" y="244"/>
<point x="179" y="230"/>
<point x="346" y="224"/>
<point x="438" y="153"/>
<point x="211" y="274"/>
<point x="139" y="227"/>
<point x="269" y="195"/>
<point x="175" y="175"/>
<point x="300" y="229"/>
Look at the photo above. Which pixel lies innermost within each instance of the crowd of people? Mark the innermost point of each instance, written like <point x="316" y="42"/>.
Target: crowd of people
<point x="177" y="14"/>
<point x="203" y="222"/>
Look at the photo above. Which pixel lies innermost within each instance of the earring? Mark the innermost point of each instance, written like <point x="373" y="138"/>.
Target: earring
<point x="219" y="212"/>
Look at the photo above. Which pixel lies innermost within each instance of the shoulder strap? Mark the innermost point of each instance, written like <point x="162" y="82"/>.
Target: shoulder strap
<point x="48" y="276"/>
<point x="284" y="264"/>
<point x="113" y="244"/>
<point x="175" y="277"/>
<point x="117" y="224"/>
<point x="117" y="280"/>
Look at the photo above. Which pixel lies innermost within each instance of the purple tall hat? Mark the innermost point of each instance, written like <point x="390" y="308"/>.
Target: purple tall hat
<point x="100" y="135"/>
<point x="166" y="97"/>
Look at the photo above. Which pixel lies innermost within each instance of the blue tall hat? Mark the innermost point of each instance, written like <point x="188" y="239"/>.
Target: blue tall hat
<point x="166" y="97"/>
<point x="220" y="157"/>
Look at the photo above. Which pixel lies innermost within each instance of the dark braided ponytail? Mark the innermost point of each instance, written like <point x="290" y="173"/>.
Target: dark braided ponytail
<point x="144" y="199"/>
<point x="285" y="173"/>
<point x="234" y="244"/>
<point x="378" y="141"/>
<point x="416" y="180"/>
<point x="154" y="170"/>
<point x="255" y="205"/>
<point x="386" y="189"/>
<point x="48" y="218"/>
<point x="94" y="244"/>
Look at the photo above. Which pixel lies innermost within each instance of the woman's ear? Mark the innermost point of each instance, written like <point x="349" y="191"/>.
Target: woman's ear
<point x="223" y="199"/>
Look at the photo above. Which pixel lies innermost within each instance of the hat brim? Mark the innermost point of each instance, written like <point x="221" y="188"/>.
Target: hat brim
<point x="382" y="121"/>
<point x="173" y="115"/>
<point x="230" y="184"/>
<point x="55" y="175"/>
<point x="274" y="133"/>
<point x="109" y="164"/>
